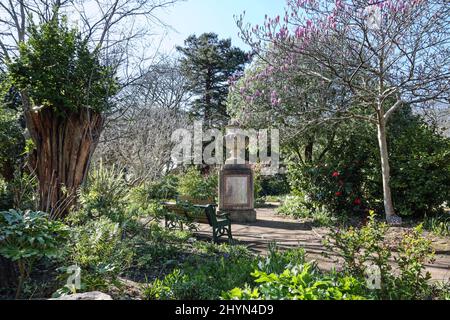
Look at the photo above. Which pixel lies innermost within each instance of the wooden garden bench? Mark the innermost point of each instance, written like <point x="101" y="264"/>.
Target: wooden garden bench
<point x="201" y="211"/>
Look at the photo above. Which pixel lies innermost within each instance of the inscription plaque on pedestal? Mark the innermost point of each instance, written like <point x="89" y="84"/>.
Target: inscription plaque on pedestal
<point x="236" y="190"/>
<point x="236" y="193"/>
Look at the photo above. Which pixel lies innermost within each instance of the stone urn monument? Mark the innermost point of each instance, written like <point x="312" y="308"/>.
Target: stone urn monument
<point x="236" y="184"/>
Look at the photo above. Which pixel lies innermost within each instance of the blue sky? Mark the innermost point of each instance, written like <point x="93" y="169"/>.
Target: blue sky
<point x="199" y="16"/>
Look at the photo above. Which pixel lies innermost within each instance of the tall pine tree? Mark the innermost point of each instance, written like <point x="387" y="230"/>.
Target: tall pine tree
<point x="208" y="63"/>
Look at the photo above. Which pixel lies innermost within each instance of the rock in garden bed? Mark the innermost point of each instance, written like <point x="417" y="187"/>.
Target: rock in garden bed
<point x="85" y="296"/>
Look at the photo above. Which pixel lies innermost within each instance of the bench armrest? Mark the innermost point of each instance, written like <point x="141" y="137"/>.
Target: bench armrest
<point x="223" y="214"/>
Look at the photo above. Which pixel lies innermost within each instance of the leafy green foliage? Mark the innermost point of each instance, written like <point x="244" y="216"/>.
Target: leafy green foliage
<point x="277" y="261"/>
<point x="439" y="225"/>
<point x="5" y="195"/>
<point x="339" y="180"/>
<point x="369" y="246"/>
<point x="414" y="252"/>
<point x="12" y="142"/>
<point x="163" y="189"/>
<point x="420" y="167"/>
<point x="358" y="246"/>
<point x="286" y="275"/>
<point x="12" y="151"/>
<point x="26" y="237"/>
<point x="194" y="185"/>
<point x="98" y="249"/>
<point x="276" y="185"/>
<point x="105" y="194"/>
<point x="347" y="179"/>
<point x="157" y="246"/>
<point x="30" y="235"/>
<point x="20" y="192"/>
<point x="303" y="282"/>
<point x="297" y="207"/>
<point x="57" y="70"/>
<point x="204" y="277"/>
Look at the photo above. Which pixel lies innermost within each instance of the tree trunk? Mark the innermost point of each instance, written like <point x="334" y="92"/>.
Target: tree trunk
<point x="64" y="145"/>
<point x="309" y="150"/>
<point x="386" y="172"/>
<point x="8" y="275"/>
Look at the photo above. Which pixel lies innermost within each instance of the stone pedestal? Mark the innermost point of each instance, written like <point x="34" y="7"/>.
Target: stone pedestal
<point x="236" y="193"/>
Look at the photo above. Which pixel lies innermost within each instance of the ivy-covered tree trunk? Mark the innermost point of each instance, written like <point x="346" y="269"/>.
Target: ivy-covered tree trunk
<point x="64" y="145"/>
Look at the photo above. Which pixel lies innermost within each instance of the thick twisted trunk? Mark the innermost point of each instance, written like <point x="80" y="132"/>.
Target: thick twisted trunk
<point x="64" y="147"/>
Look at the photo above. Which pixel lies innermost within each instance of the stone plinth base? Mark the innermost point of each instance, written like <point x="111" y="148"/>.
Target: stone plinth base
<point x="242" y="216"/>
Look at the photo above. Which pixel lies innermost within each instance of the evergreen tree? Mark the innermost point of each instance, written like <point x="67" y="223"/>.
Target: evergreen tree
<point x="208" y="63"/>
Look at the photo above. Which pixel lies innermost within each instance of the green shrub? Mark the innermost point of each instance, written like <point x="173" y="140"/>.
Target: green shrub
<point x="294" y="206"/>
<point x="420" y="163"/>
<point x="58" y="69"/>
<point x="412" y="282"/>
<point x="301" y="282"/>
<point x="164" y="189"/>
<point x="257" y="187"/>
<point x="98" y="249"/>
<point x="19" y="193"/>
<point x="286" y="275"/>
<point x="297" y="207"/>
<point x="194" y="185"/>
<point x="330" y="186"/>
<point x="158" y="246"/>
<point x="277" y="261"/>
<point x="5" y="195"/>
<point x="217" y="269"/>
<point x="26" y="237"/>
<point x="12" y="141"/>
<point x="276" y="185"/>
<point x="347" y="178"/>
<point x="105" y="194"/>
<point x="369" y="246"/>
<point x="442" y="291"/>
<point x="204" y="277"/>
<point x="439" y="225"/>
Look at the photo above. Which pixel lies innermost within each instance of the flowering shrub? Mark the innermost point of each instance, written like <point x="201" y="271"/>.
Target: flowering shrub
<point x="347" y="178"/>
<point x="338" y="191"/>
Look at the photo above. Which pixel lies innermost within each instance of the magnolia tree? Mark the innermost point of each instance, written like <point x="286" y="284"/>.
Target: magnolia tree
<point x="368" y="58"/>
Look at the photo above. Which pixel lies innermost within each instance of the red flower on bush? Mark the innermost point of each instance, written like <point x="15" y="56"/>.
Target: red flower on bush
<point x="336" y="174"/>
<point x="338" y="194"/>
<point x="357" y="201"/>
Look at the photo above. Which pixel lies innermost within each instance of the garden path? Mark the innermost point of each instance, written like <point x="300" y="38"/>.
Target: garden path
<point x="288" y="233"/>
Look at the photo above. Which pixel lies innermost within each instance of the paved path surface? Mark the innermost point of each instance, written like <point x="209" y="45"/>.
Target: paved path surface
<point x="288" y="232"/>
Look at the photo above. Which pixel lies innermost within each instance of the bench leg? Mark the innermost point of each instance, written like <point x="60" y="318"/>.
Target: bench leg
<point x="230" y="236"/>
<point x="215" y="237"/>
